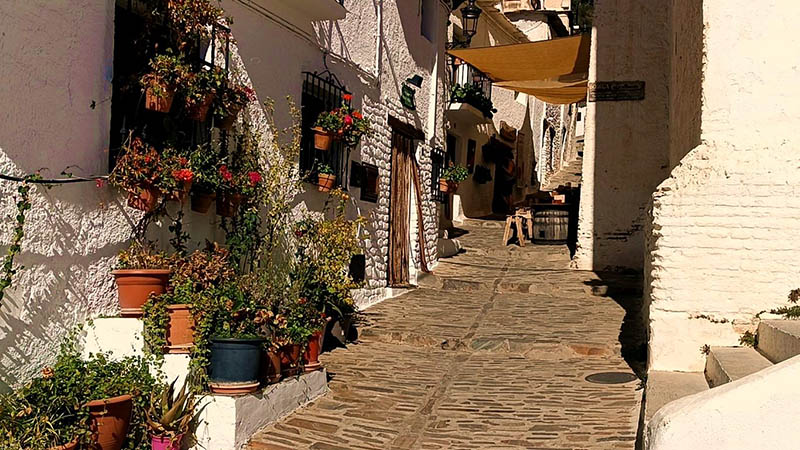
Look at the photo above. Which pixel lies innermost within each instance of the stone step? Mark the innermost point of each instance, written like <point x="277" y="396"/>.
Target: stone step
<point x="726" y="364"/>
<point x="779" y="340"/>
<point x="664" y="387"/>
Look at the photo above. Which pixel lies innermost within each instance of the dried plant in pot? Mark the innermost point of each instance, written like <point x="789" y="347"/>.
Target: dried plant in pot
<point x="231" y="98"/>
<point x="173" y="418"/>
<point x="141" y="272"/>
<point x="161" y="83"/>
<point x="138" y="171"/>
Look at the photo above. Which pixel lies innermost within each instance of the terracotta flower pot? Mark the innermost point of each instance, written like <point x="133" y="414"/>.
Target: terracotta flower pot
<point x="311" y="355"/>
<point x="145" y="199"/>
<point x="199" y="111"/>
<point x="271" y="367"/>
<point x="72" y="445"/>
<point x="325" y="182"/>
<point x="181" y="195"/>
<point x="159" y="103"/>
<point x="323" y="140"/>
<point x="226" y="122"/>
<point x="165" y="443"/>
<point x="110" y="418"/>
<point x="180" y="331"/>
<point x="446" y="186"/>
<point x="228" y="204"/>
<point x="135" y="286"/>
<point x="290" y="359"/>
<point x="201" y="201"/>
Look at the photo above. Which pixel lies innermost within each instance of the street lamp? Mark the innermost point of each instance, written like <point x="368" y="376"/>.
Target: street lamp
<point x="469" y="20"/>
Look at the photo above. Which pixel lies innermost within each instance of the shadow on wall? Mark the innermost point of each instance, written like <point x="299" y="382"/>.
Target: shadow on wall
<point x="636" y="143"/>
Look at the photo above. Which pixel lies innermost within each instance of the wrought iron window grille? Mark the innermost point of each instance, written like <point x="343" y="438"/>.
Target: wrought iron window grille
<point x="438" y="165"/>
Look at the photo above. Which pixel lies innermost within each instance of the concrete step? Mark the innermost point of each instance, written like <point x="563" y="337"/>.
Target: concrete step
<point x="726" y="364"/>
<point x="779" y="340"/>
<point x="664" y="387"/>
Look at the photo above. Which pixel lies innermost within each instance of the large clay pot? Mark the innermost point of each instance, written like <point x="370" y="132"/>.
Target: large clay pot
<point x="228" y="204"/>
<point x="199" y="111"/>
<point x="144" y="199"/>
<point x="323" y="140"/>
<point x="180" y="331"/>
<point x="311" y="355"/>
<point x="160" y="103"/>
<point x="201" y="201"/>
<point x="325" y="182"/>
<point x="270" y="367"/>
<point x="165" y="443"/>
<point x="72" y="445"/>
<point x="290" y="359"/>
<point x="234" y="366"/>
<point x="110" y="418"/>
<point x="136" y="286"/>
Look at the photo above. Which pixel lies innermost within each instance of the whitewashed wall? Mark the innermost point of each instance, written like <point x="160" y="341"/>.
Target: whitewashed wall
<point x="723" y="237"/>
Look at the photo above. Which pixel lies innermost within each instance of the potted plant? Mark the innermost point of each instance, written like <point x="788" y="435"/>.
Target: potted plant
<point x="328" y="124"/>
<point x="231" y="99"/>
<point x="325" y="177"/>
<point x="171" y="418"/>
<point x="236" y="183"/>
<point x="303" y="319"/>
<point x="354" y="126"/>
<point x="199" y="89"/>
<point x="473" y="95"/>
<point x="176" y="178"/>
<point x="235" y="343"/>
<point x="205" y="181"/>
<point x="160" y="84"/>
<point x="451" y="177"/>
<point x="138" y="172"/>
<point x="93" y="402"/>
<point x="140" y="273"/>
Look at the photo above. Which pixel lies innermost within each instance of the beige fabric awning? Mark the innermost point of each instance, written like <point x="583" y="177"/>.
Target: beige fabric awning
<point x="555" y="71"/>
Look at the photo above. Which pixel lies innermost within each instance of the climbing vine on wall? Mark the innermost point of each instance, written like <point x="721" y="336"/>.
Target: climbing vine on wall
<point x="23" y="206"/>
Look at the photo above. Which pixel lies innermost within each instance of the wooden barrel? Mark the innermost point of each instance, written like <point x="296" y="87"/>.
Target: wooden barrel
<point x="551" y="226"/>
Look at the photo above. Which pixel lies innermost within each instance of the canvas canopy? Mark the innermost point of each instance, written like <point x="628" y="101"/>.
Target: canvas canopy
<point x="554" y="71"/>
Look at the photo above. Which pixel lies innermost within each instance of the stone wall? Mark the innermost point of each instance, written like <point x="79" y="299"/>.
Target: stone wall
<point x="721" y="244"/>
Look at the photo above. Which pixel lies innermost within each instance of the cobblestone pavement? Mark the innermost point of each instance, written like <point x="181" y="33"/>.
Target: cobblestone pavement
<point x="490" y="352"/>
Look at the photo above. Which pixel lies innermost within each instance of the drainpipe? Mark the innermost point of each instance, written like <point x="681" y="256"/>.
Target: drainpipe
<point x="379" y="42"/>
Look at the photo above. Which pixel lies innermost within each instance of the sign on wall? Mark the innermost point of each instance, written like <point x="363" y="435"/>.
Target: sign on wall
<point x="616" y="91"/>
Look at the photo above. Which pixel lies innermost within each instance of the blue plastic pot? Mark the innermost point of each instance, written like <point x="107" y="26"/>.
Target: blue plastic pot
<point x="235" y="360"/>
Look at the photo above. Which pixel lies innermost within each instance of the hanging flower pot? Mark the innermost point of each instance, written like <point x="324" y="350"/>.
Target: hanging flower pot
<point x="234" y="366"/>
<point x="311" y="355"/>
<point x="199" y="110"/>
<point x="165" y="443"/>
<point x="226" y="122"/>
<point x="135" y="286"/>
<point x="290" y="359"/>
<point x="159" y="97"/>
<point x="228" y="204"/>
<point x="182" y="194"/>
<point x="271" y="366"/>
<point x="201" y="201"/>
<point x="110" y="418"/>
<point x="325" y="182"/>
<point x="180" y="331"/>
<point x="144" y="199"/>
<point x="323" y="140"/>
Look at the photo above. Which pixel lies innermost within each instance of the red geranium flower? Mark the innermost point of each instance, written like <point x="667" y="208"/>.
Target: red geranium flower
<point x="255" y="178"/>
<point x="224" y="173"/>
<point x="184" y="175"/>
<point x="347" y="97"/>
<point x="357" y="115"/>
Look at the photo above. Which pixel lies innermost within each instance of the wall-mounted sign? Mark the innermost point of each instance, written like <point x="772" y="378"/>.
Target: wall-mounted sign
<point x="407" y="98"/>
<point x="616" y="91"/>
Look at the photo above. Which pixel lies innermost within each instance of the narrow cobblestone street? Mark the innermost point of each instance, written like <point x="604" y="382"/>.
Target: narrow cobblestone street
<point x="490" y="352"/>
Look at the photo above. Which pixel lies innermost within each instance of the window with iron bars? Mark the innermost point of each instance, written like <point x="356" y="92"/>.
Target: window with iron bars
<point x="464" y="74"/>
<point x="438" y="163"/>
<point x="322" y="92"/>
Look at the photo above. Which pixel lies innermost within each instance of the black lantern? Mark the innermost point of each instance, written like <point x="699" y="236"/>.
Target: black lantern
<point x="469" y="20"/>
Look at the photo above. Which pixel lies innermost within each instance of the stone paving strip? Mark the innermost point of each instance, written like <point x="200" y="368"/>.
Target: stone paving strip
<point x="492" y="353"/>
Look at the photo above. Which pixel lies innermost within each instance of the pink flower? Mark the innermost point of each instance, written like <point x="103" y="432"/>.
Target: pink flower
<point x="255" y="178"/>
<point x="224" y="173"/>
<point x="99" y="182"/>
<point x="348" y="120"/>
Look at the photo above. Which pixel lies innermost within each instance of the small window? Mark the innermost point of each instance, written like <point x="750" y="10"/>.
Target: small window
<point x="438" y="164"/>
<point x="369" y="182"/>
<point x="428" y="19"/>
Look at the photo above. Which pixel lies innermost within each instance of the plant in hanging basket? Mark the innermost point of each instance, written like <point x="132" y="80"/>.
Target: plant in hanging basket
<point x="231" y="98"/>
<point x="203" y="162"/>
<point x="343" y="124"/>
<point x="141" y="272"/>
<point x="138" y="171"/>
<point x="237" y="182"/>
<point x="160" y="84"/>
<point x="325" y="177"/>
<point x="199" y="90"/>
<point x="176" y="177"/>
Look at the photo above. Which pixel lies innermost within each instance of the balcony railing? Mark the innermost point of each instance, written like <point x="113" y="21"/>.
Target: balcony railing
<point x="462" y="74"/>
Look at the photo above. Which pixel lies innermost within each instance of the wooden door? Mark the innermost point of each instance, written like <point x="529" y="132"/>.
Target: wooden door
<point x="399" y="211"/>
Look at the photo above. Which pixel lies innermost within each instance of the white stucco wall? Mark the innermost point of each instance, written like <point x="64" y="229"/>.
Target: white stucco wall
<point x="721" y="241"/>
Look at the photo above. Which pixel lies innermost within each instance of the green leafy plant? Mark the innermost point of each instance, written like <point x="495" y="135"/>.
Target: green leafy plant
<point x="748" y="339"/>
<point x="167" y="71"/>
<point x="231" y="98"/>
<point x="792" y="311"/>
<point x="197" y="86"/>
<point x="23" y="203"/>
<point x="347" y="124"/>
<point x="473" y="95"/>
<point x="203" y="161"/>
<point x="329" y="121"/>
<point x="324" y="169"/>
<point x="456" y="174"/>
<point x="49" y="410"/>
<point x="174" y="416"/>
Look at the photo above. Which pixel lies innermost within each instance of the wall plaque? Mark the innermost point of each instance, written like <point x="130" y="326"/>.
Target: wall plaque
<point x="616" y="91"/>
